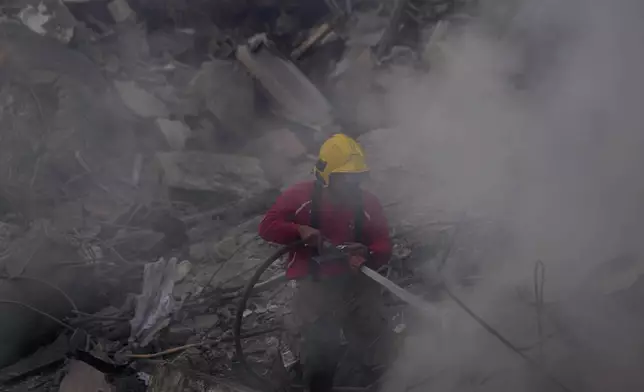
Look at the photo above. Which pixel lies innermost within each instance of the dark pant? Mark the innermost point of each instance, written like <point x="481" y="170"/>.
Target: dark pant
<point x="325" y="311"/>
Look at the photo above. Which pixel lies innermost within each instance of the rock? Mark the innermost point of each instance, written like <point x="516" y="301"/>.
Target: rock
<point x="50" y="18"/>
<point x="82" y="377"/>
<point x="230" y="177"/>
<point x="44" y="357"/>
<point x="279" y="142"/>
<point x="227" y="92"/>
<point x="138" y="242"/>
<point x="175" y="132"/>
<point x="120" y="10"/>
<point x="297" y="98"/>
<point x="205" y="321"/>
<point x="140" y="101"/>
<point x="169" y="379"/>
<point x="172" y="43"/>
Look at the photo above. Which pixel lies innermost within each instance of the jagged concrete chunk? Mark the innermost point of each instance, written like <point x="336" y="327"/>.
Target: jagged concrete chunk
<point x="230" y="176"/>
<point x="175" y="132"/>
<point x="140" y="101"/>
<point x="299" y="99"/>
<point x="226" y="91"/>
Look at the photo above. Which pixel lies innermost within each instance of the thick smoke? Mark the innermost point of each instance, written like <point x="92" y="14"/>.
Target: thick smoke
<point x="537" y="123"/>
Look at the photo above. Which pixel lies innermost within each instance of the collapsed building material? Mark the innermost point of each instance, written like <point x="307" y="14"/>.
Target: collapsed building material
<point x="176" y="133"/>
<point x="156" y="303"/>
<point x="227" y="92"/>
<point x="222" y="176"/>
<point x="171" y="379"/>
<point x="140" y="101"/>
<point x="82" y="377"/>
<point x="44" y="357"/>
<point x="298" y="99"/>
<point x="48" y="17"/>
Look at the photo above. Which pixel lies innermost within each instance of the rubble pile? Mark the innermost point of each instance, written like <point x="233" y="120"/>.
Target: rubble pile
<point x="141" y="142"/>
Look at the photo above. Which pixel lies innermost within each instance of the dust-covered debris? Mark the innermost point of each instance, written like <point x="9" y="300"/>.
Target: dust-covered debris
<point x="224" y="89"/>
<point x="88" y="133"/>
<point x="157" y="303"/>
<point x="141" y="102"/>
<point x="176" y="133"/>
<point x="82" y="377"/>
<point x="225" y="177"/>
<point x="297" y="99"/>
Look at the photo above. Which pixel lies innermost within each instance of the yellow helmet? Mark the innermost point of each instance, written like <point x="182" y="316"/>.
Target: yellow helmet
<point x="340" y="154"/>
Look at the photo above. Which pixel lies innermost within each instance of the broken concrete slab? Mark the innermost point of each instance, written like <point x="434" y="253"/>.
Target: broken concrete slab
<point x="140" y="101"/>
<point x="226" y="91"/>
<point x="230" y="177"/>
<point x="278" y="149"/>
<point x="120" y="10"/>
<point x="278" y="142"/>
<point x="44" y="357"/>
<point x="298" y="99"/>
<point x="168" y="378"/>
<point x="82" y="377"/>
<point x="176" y="133"/>
<point x="49" y="18"/>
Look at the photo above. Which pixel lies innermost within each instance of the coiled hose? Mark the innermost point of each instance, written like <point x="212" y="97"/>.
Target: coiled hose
<point x="241" y="307"/>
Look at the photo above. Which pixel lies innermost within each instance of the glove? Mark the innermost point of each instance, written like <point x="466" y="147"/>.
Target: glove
<point x="356" y="262"/>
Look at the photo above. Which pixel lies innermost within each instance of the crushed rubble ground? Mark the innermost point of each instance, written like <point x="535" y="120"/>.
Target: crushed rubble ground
<point x="140" y="145"/>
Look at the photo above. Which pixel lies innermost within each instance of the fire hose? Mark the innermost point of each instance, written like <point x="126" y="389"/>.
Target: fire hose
<point x="393" y="288"/>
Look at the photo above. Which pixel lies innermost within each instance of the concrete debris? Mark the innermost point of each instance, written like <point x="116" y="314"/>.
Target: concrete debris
<point x="44" y="357"/>
<point x="82" y="377"/>
<point x="140" y="101"/>
<point x="279" y="142"/>
<point x="229" y="177"/>
<point x="277" y="149"/>
<point x="205" y="321"/>
<point x="120" y="10"/>
<point x="156" y="303"/>
<point x="225" y="90"/>
<point x="170" y="379"/>
<point x="175" y="71"/>
<point x="298" y="99"/>
<point x="50" y="18"/>
<point x="35" y="18"/>
<point x="175" y="132"/>
<point x="171" y="43"/>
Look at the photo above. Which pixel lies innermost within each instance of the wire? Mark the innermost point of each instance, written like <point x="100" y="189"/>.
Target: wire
<point x="42" y="313"/>
<point x="535" y="365"/>
<point x="45" y="283"/>
<point x="539" y="282"/>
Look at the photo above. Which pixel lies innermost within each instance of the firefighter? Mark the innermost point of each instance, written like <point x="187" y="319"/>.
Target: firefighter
<point x="332" y="302"/>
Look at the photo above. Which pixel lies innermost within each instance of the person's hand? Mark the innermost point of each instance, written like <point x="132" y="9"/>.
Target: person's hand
<point x="356" y="262"/>
<point x="356" y="249"/>
<point x="310" y="235"/>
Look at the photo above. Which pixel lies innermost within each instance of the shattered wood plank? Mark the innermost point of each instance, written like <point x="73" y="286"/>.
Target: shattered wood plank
<point x="392" y="29"/>
<point x="316" y="35"/>
<point x="300" y="100"/>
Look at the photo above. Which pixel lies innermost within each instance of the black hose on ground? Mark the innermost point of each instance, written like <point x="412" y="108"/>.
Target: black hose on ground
<point x="241" y="307"/>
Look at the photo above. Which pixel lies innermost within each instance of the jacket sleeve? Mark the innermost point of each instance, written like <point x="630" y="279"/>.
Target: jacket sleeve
<point x="377" y="231"/>
<point x="278" y="225"/>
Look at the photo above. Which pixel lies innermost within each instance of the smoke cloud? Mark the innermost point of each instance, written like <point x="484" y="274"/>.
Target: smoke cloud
<point x="534" y="121"/>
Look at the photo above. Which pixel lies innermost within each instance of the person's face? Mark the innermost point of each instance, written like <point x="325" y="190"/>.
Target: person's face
<point x="345" y="187"/>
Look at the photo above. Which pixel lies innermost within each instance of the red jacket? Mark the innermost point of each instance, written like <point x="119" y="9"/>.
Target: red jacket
<point x="293" y="208"/>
